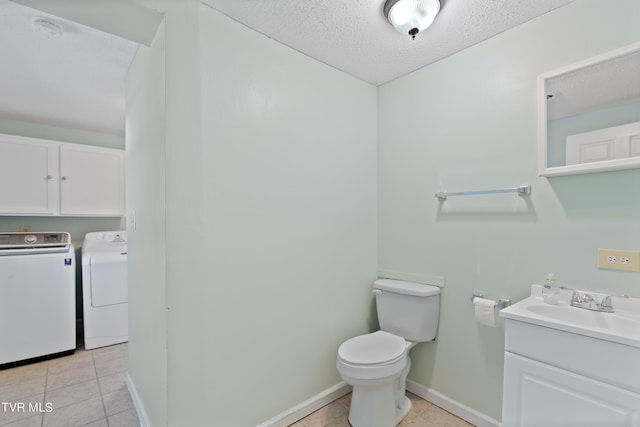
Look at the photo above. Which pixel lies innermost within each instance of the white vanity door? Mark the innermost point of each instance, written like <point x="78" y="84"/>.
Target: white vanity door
<point x="537" y="394"/>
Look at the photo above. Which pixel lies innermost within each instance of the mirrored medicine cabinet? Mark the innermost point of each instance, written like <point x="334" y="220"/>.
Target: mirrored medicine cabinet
<point x="589" y="115"/>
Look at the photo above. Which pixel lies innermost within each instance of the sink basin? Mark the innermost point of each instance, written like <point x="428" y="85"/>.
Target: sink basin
<point x="622" y="326"/>
<point x="588" y="319"/>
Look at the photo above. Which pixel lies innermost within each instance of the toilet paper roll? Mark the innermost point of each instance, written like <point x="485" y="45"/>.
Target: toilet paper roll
<point x="485" y="311"/>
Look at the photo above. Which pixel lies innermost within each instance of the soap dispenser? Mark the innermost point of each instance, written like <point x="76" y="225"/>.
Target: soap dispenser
<point x="551" y="290"/>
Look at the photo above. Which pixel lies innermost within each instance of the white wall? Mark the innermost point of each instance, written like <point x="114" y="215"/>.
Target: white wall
<point x="145" y="129"/>
<point x="59" y="133"/>
<point x="270" y="224"/>
<point x="469" y="122"/>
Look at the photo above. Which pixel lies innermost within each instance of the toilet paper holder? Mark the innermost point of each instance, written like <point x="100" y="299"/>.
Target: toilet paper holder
<point x="500" y="304"/>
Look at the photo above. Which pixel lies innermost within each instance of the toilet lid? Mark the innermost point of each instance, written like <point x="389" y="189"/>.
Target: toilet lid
<point x="375" y="348"/>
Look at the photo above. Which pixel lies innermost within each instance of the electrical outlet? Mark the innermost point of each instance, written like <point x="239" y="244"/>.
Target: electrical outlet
<point x="25" y="229"/>
<point x="619" y="259"/>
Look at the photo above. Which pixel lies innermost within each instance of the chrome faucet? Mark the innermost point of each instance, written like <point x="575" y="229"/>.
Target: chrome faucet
<point x="587" y="301"/>
<point x="605" y="304"/>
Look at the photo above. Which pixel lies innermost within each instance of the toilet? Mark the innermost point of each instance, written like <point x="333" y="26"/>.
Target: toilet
<point x="376" y="365"/>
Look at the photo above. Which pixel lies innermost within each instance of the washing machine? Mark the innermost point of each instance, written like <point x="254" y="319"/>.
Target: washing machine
<point x="105" y="290"/>
<point x="37" y="296"/>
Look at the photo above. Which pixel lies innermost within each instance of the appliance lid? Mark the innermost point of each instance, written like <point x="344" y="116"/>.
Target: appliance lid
<point x="19" y="243"/>
<point x="378" y="347"/>
<point x="105" y="241"/>
<point x="407" y="288"/>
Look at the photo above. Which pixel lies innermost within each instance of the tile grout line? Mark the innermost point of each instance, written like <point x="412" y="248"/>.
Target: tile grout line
<point x="44" y="394"/>
<point x="104" y="407"/>
<point x="49" y="372"/>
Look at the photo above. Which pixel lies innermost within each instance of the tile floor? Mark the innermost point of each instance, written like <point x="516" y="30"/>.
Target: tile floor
<point x="84" y="389"/>
<point x="88" y="389"/>
<point x="423" y="414"/>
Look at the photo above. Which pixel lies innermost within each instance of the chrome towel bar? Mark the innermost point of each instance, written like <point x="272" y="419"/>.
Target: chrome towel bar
<point x="522" y="190"/>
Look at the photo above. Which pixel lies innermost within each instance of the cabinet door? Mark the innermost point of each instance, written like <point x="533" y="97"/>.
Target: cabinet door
<point x="618" y="142"/>
<point x="537" y="394"/>
<point x="28" y="176"/>
<point x="91" y="181"/>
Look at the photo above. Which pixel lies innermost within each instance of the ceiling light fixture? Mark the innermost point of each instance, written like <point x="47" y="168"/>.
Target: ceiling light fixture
<point x="48" y="27"/>
<point x="411" y="16"/>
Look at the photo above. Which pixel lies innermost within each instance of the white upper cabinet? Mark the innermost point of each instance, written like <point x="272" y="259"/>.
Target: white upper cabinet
<point x="91" y="181"/>
<point x="41" y="177"/>
<point x="28" y="176"/>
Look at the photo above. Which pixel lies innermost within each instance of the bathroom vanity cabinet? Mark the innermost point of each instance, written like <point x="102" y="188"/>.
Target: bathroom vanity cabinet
<point x="558" y="378"/>
<point x="42" y="177"/>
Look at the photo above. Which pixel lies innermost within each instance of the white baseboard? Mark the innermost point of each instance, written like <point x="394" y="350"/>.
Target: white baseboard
<point x="307" y="407"/>
<point x="137" y="403"/>
<point x="327" y="396"/>
<point x="456" y="408"/>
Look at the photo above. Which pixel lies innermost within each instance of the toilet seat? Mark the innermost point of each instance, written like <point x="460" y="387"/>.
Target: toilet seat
<point x="372" y="356"/>
<point x="377" y="348"/>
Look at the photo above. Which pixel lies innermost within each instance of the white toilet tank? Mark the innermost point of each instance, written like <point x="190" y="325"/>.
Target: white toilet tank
<point x="407" y="309"/>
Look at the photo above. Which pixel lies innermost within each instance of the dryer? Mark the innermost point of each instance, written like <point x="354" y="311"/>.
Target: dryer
<point x="105" y="290"/>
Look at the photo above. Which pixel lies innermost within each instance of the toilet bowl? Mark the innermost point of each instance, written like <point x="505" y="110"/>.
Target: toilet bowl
<point x="376" y="365"/>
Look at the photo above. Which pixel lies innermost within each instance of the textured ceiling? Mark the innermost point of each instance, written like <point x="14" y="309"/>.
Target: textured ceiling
<point x="355" y="37"/>
<point x="76" y="80"/>
<point x="603" y="84"/>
